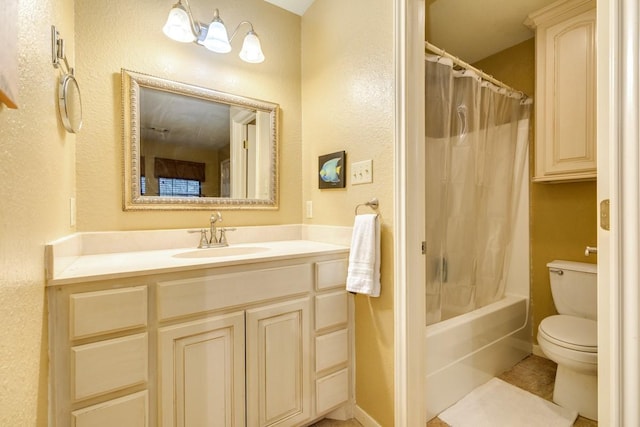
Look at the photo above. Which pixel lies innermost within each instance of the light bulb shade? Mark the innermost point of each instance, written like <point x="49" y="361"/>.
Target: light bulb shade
<point x="179" y="26"/>
<point x="251" y="50"/>
<point x="217" y="39"/>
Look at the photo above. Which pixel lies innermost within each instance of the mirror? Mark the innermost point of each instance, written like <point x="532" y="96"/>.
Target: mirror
<point x="70" y="103"/>
<point x="188" y="147"/>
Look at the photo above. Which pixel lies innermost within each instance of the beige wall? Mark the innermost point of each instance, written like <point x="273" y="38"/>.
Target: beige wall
<point x="563" y="216"/>
<point x="348" y="96"/>
<point x="125" y="34"/>
<point x="348" y="104"/>
<point x="38" y="176"/>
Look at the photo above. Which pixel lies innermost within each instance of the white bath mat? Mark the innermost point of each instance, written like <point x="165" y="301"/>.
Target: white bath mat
<point x="499" y="404"/>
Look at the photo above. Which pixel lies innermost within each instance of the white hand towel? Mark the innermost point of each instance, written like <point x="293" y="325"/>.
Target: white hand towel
<point x="363" y="274"/>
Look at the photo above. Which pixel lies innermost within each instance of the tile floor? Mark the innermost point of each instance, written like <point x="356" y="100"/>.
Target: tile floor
<point x="534" y="374"/>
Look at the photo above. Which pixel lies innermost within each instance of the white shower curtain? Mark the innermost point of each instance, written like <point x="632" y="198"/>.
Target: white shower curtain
<point x="476" y="148"/>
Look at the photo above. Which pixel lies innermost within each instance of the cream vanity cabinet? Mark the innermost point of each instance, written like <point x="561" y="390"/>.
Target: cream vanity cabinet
<point x="261" y="344"/>
<point x="565" y="96"/>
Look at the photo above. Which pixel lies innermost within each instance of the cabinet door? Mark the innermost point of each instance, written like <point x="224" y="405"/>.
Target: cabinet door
<point x="201" y="367"/>
<point x="278" y="375"/>
<point x="566" y="104"/>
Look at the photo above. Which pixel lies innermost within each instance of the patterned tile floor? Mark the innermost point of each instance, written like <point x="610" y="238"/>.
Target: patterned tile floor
<point x="534" y="374"/>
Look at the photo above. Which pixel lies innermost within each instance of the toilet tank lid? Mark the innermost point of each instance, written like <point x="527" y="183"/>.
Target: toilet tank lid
<point x="574" y="266"/>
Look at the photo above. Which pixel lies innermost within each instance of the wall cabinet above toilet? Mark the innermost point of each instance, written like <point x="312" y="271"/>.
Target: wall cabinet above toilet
<point x="565" y="98"/>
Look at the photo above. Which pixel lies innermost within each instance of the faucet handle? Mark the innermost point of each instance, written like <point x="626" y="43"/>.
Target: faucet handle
<point x="223" y="235"/>
<point x="204" y="242"/>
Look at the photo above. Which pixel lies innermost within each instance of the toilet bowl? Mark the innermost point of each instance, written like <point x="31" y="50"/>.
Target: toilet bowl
<point x="570" y="338"/>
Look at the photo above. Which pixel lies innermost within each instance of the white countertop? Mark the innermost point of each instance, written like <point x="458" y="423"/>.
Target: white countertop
<point x="104" y="266"/>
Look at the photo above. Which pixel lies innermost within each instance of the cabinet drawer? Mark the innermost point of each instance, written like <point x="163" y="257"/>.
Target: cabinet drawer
<point x="331" y="274"/>
<point x="332" y="390"/>
<point x="93" y="313"/>
<point x="128" y="411"/>
<point x="331" y="310"/>
<point x="189" y="296"/>
<point x="109" y="365"/>
<point x="332" y="350"/>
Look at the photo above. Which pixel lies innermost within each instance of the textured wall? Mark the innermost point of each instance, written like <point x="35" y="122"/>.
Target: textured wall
<point x="563" y="216"/>
<point x="37" y="175"/>
<point x="348" y="104"/>
<point x="125" y="34"/>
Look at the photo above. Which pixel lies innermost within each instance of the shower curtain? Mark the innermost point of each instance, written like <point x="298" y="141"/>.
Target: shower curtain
<point x="476" y="148"/>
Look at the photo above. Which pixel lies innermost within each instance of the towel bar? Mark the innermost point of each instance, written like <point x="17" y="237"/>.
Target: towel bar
<point x="373" y="204"/>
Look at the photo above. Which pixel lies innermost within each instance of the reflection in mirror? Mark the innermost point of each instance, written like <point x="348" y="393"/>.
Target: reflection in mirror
<point x="188" y="147"/>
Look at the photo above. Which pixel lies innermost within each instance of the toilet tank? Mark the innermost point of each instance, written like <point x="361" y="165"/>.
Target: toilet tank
<point x="574" y="287"/>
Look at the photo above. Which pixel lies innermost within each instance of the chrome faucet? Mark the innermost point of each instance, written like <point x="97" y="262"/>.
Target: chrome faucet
<point x="217" y="235"/>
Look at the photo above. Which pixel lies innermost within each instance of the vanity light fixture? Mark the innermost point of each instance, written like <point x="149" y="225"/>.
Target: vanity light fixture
<point x="182" y="27"/>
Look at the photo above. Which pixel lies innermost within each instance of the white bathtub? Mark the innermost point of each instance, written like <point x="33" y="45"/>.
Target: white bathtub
<point x="467" y="351"/>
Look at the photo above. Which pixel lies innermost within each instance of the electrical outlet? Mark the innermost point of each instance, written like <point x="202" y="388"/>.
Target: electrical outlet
<point x="72" y="211"/>
<point x="309" y="209"/>
<point x="362" y="172"/>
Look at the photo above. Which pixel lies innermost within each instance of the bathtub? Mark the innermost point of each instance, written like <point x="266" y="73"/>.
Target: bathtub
<point x="466" y="351"/>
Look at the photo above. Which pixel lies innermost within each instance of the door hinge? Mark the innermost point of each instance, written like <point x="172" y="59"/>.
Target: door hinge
<point x="245" y="144"/>
<point x="604" y="214"/>
<point x="424" y="248"/>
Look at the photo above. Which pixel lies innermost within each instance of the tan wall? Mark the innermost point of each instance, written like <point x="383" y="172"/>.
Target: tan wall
<point x="348" y="104"/>
<point x="37" y="175"/>
<point x="563" y="216"/>
<point x="125" y="34"/>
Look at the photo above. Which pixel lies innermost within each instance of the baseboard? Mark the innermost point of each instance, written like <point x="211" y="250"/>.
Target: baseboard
<point x="363" y="418"/>
<point x="538" y="351"/>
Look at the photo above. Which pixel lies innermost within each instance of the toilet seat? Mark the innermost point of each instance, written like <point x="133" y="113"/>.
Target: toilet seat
<point x="569" y="341"/>
<point x="571" y="332"/>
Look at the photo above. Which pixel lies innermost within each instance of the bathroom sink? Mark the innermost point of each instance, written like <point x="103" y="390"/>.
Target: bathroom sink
<point x="221" y="252"/>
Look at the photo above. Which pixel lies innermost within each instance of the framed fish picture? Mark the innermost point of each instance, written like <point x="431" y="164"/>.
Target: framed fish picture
<point x="332" y="171"/>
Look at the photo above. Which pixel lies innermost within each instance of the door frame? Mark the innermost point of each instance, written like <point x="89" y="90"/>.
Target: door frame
<point x="619" y="181"/>
<point x="409" y="224"/>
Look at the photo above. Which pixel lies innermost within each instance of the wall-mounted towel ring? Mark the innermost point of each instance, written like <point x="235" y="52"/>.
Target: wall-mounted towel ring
<point x="373" y="204"/>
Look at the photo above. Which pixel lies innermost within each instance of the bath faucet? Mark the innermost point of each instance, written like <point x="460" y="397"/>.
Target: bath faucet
<point x="214" y="239"/>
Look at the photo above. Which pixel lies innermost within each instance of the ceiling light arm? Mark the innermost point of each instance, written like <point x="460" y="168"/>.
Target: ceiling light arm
<point x="238" y="27"/>
<point x="196" y="27"/>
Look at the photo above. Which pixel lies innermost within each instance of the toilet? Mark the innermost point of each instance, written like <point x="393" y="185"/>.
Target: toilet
<point x="570" y="338"/>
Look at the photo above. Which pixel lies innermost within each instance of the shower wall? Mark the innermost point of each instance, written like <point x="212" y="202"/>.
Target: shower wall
<point x="563" y="216"/>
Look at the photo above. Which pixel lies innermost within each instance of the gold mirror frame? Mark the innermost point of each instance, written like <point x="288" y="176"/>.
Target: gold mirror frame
<point x="132" y="82"/>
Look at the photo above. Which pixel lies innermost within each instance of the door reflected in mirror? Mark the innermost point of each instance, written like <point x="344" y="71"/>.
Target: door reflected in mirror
<point x="188" y="147"/>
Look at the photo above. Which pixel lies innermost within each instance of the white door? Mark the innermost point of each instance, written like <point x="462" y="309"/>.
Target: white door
<point x="278" y="376"/>
<point x="201" y="367"/>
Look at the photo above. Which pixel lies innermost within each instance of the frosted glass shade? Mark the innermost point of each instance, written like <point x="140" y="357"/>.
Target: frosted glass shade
<point x="217" y="39"/>
<point x="178" y="26"/>
<point x="251" y="49"/>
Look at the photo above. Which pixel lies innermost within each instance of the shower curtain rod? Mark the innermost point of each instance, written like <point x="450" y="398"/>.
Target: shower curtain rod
<point x="441" y="52"/>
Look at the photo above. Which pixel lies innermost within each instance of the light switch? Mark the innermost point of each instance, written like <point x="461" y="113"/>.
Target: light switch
<point x="362" y="172"/>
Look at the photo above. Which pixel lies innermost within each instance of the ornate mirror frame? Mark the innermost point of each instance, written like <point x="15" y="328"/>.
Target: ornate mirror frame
<point x="132" y="82"/>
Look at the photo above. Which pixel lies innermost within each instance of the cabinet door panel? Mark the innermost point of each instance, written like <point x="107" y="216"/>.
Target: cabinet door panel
<point x="131" y="411"/>
<point x="111" y="310"/>
<point x="202" y="372"/>
<point x="109" y="365"/>
<point x="331" y="310"/>
<point x="278" y="376"/>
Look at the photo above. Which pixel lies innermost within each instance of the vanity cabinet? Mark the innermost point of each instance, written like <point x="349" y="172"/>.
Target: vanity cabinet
<point x="100" y="352"/>
<point x="565" y="96"/>
<point x="262" y="344"/>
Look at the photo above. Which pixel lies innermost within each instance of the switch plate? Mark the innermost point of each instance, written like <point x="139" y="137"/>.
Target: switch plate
<point x="362" y="172"/>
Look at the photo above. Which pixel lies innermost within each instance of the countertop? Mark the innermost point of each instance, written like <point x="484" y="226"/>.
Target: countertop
<point x="103" y="266"/>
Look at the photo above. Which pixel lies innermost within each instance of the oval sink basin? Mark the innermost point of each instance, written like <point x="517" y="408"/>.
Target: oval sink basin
<point x="220" y="252"/>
